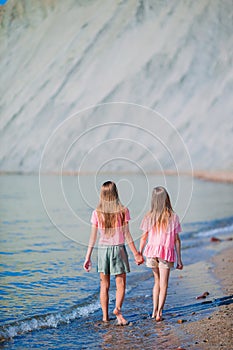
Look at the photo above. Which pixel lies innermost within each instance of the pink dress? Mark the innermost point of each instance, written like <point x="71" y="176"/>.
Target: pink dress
<point x="161" y="244"/>
<point x="117" y="237"/>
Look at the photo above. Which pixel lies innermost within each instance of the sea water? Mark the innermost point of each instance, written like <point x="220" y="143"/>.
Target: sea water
<point x="48" y="300"/>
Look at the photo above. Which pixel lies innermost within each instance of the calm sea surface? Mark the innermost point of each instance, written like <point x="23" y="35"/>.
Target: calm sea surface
<point x="48" y="300"/>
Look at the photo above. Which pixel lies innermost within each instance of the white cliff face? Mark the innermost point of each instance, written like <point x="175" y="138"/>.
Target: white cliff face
<point x="59" y="58"/>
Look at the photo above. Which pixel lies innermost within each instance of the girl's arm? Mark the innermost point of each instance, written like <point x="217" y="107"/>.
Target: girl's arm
<point x="178" y="252"/>
<point x="137" y="256"/>
<point x="92" y="240"/>
<point x="143" y="242"/>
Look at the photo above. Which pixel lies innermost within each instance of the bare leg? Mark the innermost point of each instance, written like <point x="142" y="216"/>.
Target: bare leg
<point x="120" y="294"/>
<point x="155" y="291"/>
<point x="104" y="288"/>
<point x="164" y="277"/>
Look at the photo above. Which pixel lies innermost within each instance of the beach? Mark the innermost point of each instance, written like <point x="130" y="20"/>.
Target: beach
<point x="212" y="330"/>
<point x="218" y="176"/>
<point x="139" y="93"/>
<point x="215" y="331"/>
<point x="48" y="300"/>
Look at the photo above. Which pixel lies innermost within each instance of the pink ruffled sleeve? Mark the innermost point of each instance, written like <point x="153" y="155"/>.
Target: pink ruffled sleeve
<point x="94" y="218"/>
<point x="177" y="226"/>
<point x="145" y="224"/>
<point x="127" y="215"/>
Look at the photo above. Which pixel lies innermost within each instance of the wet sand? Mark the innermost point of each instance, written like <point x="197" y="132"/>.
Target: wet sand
<point x="207" y="329"/>
<point x="216" y="330"/>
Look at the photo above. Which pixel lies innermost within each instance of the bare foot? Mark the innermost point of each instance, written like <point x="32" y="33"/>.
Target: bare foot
<point x="121" y="321"/>
<point x="105" y="321"/>
<point x="154" y="314"/>
<point x="158" y="318"/>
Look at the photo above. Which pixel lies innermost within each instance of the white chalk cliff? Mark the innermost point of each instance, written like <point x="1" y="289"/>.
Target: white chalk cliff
<point x="59" y="59"/>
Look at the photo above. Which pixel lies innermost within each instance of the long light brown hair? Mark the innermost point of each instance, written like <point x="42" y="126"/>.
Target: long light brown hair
<point x="110" y="209"/>
<point x="161" y="208"/>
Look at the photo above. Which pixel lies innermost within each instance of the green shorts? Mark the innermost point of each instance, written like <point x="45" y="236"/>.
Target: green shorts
<point x="113" y="259"/>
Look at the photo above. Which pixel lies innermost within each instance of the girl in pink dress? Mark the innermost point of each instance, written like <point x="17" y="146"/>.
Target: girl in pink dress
<point x="161" y="229"/>
<point x="110" y="219"/>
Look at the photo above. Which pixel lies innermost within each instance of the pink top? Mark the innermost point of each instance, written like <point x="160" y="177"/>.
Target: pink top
<point x="117" y="237"/>
<point x="161" y="244"/>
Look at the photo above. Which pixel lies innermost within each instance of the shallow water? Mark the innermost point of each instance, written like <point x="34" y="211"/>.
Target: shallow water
<point x="46" y="297"/>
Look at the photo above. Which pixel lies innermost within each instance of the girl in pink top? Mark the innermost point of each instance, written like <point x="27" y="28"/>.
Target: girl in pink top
<point x="111" y="220"/>
<point x="161" y="229"/>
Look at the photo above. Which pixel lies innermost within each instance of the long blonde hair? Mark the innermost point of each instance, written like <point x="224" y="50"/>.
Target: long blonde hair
<point x="161" y="208"/>
<point x="110" y="209"/>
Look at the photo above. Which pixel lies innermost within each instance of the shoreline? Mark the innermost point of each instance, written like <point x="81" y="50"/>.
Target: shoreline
<point x="224" y="176"/>
<point x="215" y="330"/>
<point x="215" y="176"/>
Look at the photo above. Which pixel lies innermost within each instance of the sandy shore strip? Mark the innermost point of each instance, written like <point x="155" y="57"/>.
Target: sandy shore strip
<point x="216" y="330"/>
<point x="218" y="176"/>
<point x="208" y="175"/>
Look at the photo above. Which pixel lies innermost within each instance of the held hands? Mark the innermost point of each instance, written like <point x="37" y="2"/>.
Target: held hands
<point x="138" y="258"/>
<point x="87" y="265"/>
